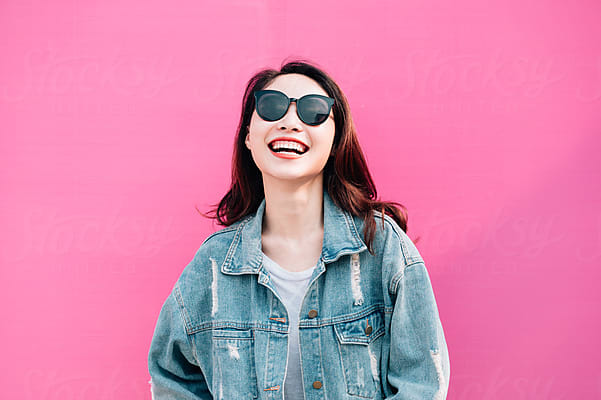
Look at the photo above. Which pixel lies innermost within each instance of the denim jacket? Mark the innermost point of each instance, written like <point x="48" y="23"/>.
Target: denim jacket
<point x="369" y="325"/>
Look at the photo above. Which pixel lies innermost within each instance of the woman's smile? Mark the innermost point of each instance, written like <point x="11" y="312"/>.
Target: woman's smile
<point x="289" y="148"/>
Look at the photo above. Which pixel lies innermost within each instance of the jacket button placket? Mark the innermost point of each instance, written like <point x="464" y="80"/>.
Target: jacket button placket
<point x="311" y="341"/>
<point x="275" y="365"/>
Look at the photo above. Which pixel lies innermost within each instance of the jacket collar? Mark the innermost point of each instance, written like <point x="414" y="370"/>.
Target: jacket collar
<point x="340" y="237"/>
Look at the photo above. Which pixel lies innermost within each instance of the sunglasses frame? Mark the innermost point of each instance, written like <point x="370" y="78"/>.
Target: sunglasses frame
<point x="329" y="101"/>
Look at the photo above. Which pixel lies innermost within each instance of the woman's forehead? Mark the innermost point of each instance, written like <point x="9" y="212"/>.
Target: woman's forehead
<point x="296" y="85"/>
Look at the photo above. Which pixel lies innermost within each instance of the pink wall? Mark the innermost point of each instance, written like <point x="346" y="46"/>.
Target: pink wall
<point x="483" y="118"/>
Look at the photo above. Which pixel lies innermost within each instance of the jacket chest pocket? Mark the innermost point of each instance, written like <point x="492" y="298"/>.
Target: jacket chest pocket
<point x="359" y="352"/>
<point x="234" y="364"/>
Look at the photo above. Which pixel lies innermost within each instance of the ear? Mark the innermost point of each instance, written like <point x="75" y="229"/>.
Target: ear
<point x="247" y="140"/>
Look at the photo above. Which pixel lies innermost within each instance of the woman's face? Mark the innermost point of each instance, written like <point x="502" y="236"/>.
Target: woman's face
<point x="264" y="138"/>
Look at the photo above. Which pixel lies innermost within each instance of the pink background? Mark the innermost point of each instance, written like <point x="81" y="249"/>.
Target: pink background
<point x="483" y="118"/>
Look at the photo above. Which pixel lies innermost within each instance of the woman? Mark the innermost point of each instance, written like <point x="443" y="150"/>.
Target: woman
<point x="284" y="302"/>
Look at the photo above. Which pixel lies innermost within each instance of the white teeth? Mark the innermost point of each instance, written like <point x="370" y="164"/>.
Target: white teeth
<point x="281" y="144"/>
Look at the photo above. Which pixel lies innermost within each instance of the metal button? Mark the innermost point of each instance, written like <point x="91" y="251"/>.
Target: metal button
<point x="312" y="313"/>
<point x="317" y="385"/>
<point x="368" y="330"/>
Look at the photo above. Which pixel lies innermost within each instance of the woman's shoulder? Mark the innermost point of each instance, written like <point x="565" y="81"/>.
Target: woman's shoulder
<point x="389" y="237"/>
<point x="193" y="289"/>
<point x="211" y="252"/>
<point x="224" y="234"/>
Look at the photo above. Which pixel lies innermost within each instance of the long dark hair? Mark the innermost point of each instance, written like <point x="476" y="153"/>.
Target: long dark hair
<point x="346" y="176"/>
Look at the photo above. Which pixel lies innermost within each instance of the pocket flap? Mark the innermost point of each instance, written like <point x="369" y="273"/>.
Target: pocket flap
<point x="360" y="331"/>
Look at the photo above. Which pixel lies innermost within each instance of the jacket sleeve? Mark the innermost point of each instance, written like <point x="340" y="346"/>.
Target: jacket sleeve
<point x="419" y="366"/>
<point x="172" y="364"/>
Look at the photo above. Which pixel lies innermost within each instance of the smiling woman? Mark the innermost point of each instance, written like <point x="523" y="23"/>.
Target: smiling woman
<point x="312" y="289"/>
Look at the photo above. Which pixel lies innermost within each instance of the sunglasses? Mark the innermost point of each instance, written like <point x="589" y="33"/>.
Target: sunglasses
<point x="312" y="109"/>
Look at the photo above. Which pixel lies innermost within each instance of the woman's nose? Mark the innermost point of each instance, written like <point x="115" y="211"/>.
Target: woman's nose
<point x="290" y="121"/>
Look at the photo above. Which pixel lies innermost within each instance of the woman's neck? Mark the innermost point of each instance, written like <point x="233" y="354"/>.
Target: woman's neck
<point x="293" y="212"/>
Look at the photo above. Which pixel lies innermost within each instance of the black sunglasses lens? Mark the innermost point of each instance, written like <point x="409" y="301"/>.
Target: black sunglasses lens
<point x="313" y="109"/>
<point x="271" y="105"/>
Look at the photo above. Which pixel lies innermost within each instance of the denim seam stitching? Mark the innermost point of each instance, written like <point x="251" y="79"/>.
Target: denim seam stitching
<point x="343" y="367"/>
<point x="278" y="328"/>
<point x="206" y="326"/>
<point x="183" y="311"/>
<point x="220" y="231"/>
<point x="322" y="375"/>
<point x="371" y="338"/>
<point x="398" y="277"/>
<point x="266" y="374"/>
<point x="234" y="244"/>
<point x="351" y="225"/>
<point x="301" y="368"/>
<point x="396" y="229"/>
<point x="183" y="314"/>
<point x="347" y="318"/>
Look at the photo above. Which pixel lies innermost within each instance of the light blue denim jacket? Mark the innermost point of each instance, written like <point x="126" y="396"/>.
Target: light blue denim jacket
<point x="369" y="325"/>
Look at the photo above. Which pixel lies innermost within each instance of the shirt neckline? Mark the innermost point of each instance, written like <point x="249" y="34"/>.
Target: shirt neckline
<point x="280" y="272"/>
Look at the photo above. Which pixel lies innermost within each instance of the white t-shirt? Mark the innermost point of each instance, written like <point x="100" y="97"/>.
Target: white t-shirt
<point x="291" y="287"/>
